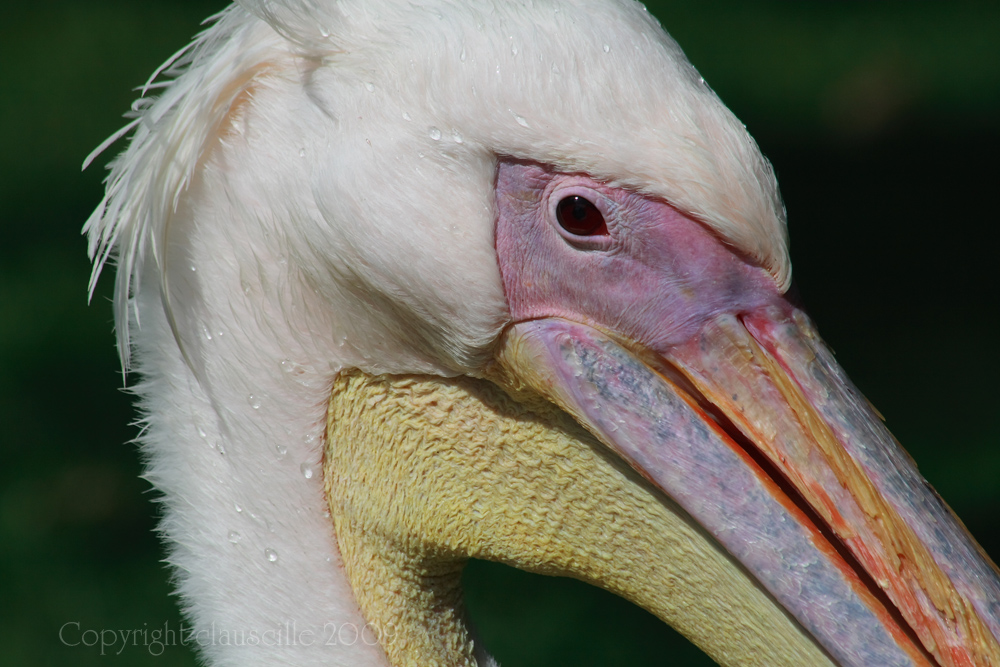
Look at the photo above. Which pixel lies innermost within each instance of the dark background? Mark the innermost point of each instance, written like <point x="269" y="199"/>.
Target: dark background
<point x="881" y="118"/>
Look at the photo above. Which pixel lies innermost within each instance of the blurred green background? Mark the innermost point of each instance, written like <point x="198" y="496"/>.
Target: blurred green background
<point x="882" y="119"/>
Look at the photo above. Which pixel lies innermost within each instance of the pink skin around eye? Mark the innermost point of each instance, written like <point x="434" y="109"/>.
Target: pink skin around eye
<point x="655" y="278"/>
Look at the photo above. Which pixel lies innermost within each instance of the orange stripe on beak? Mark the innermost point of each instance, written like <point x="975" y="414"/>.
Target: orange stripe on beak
<point x="776" y="382"/>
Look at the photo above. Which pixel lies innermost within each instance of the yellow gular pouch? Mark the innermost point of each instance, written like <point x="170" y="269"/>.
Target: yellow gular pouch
<point x="423" y="473"/>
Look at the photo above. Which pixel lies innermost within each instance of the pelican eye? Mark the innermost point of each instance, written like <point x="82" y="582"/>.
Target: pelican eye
<point x="580" y="217"/>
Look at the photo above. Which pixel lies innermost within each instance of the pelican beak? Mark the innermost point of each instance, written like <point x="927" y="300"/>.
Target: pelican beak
<point x="755" y="431"/>
<point x="711" y="385"/>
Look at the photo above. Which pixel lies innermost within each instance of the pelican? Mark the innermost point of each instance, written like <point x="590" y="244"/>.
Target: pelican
<point x="408" y="283"/>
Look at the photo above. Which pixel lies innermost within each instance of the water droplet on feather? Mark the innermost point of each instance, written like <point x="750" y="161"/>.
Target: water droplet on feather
<point x="291" y="368"/>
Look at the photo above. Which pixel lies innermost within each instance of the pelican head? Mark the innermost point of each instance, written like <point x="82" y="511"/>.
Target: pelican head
<point x="409" y="282"/>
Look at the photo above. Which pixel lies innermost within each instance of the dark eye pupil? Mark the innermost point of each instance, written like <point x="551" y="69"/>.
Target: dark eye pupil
<point x="580" y="217"/>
